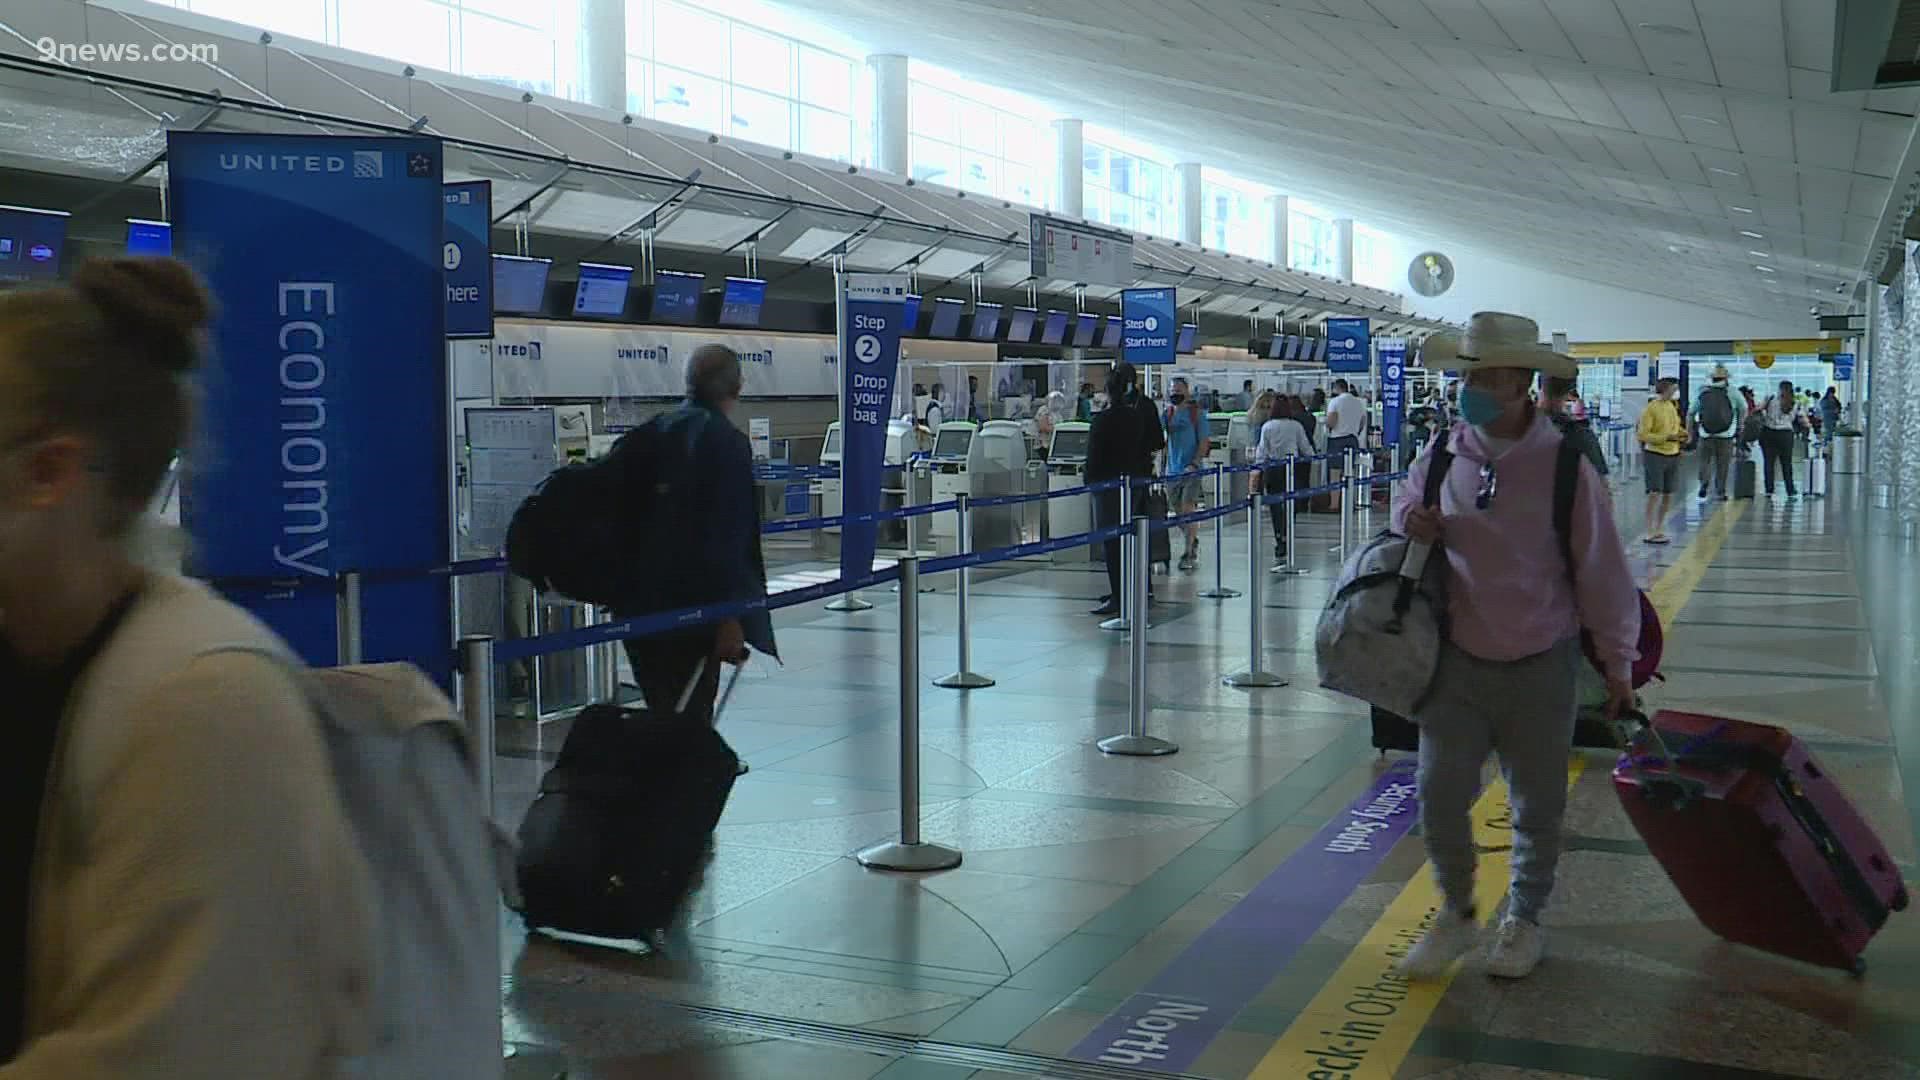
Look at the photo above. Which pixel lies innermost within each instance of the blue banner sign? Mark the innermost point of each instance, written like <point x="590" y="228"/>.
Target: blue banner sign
<point x="1843" y="367"/>
<point x="325" y="408"/>
<point x="1630" y="367"/>
<point x="1149" y="326"/>
<point x="466" y="258"/>
<point x="875" y="310"/>
<point x="1393" y="388"/>
<point x="1349" y="346"/>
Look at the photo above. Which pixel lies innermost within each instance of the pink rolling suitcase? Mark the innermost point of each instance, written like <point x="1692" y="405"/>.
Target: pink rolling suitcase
<point x="1764" y="846"/>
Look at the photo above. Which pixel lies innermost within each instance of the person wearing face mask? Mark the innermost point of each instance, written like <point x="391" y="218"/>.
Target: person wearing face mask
<point x="719" y="520"/>
<point x="1716" y="421"/>
<point x="1188" y="443"/>
<point x="1519" y="594"/>
<point x="180" y="892"/>
<point x="1662" y="436"/>
<point x="1122" y="441"/>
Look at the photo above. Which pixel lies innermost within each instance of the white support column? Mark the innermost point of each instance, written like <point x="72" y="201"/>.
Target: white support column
<point x="603" y="53"/>
<point x="1282" y="216"/>
<point x="1343" y="248"/>
<point x="1188" y="207"/>
<point x="1069" y="168"/>
<point x="889" y="72"/>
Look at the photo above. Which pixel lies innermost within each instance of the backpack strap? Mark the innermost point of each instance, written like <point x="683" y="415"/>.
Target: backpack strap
<point x="1566" y="486"/>
<point x="1437" y="465"/>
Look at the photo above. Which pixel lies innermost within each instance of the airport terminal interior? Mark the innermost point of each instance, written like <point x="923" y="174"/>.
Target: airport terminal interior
<point x="930" y="231"/>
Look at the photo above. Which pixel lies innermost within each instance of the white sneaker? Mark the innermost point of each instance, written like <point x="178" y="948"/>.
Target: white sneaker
<point x="1517" y="948"/>
<point x="1452" y="937"/>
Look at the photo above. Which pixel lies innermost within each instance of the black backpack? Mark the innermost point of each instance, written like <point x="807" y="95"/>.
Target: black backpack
<point x="600" y="532"/>
<point x="1716" y="412"/>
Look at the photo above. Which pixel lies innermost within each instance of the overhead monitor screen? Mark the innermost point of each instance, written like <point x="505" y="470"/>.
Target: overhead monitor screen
<point x="1187" y="332"/>
<point x="912" y="320"/>
<point x="986" y="322"/>
<point x="741" y="300"/>
<point x="676" y="297"/>
<point x="1297" y="347"/>
<point x="31" y="243"/>
<point x="1085" y="326"/>
<point x="952" y="444"/>
<point x="946" y="318"/>
<point x="1055" y="332"/>
<point x="1319" y="354"/>
<point x="1110" y="333"/>
<point x="519" y="284"/>
<point x="602" y="292"/>
<point x="1069" y="445"/>
<point x="149" y="237"/>
<point x="1020" y="325"/>
<point x="1277" y="348"/>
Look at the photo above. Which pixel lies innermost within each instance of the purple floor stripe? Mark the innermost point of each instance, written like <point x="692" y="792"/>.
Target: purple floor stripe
<point x="1182" y="1010"/>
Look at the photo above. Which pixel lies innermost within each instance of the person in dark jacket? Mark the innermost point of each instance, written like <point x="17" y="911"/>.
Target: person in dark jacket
<point x="719" y="519"/>
<point x="1121" y="442"/>
<point x="1555" y="391"/>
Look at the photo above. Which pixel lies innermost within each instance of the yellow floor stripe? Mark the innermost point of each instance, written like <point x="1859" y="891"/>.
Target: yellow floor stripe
<point x="1363" y="1023"/>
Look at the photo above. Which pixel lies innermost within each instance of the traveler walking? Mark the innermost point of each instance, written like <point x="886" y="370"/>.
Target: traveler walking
<point x="1187" y="446"/>
<point x="1780" y="420"/>
<point x="1557" y="395"/>
<point x="1662" y="437"/>
<point x="1830" y="412"/>
<point x="1282" y="439"/>
<point x="1716" y="423"/>
<point x="1122" y="441"/>
<point x="181" y="894"/>
<point x="691" y="484"/>
<point x="1516" y="608"/>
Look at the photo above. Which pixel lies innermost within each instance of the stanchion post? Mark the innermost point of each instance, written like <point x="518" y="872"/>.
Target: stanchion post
<point x="1136" y="742"/>
<point x="1256" y="676"/>
<point x="477" y="708"/>
<point x="1120" y="623"/>
<point x="965" y="678"/>
<point x="909" y="853"/>
<point x="1220" y="590"/>
<point x="347" y="618"/>
<point x="1345" y="496"/>
<point x="1363" y="482"/>
<point x="1290" y="565"/>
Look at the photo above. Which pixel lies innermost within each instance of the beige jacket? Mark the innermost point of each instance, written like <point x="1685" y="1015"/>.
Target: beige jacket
<point x="199" y="908"/>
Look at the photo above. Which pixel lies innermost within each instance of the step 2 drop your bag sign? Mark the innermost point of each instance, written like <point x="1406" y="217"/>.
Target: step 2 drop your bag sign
<point x="874" y="310"/>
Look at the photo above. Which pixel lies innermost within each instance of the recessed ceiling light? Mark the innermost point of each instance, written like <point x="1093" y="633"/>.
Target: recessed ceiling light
<point x="1741" y="209"/>
<point x="1723" y="172"/>
<point x="1763" y="269"/>
<point x="1751" y="235"/>
<point x="1758" y="254"/>
<point x="1668" y="29"/>
<point x="1702" y="119"/>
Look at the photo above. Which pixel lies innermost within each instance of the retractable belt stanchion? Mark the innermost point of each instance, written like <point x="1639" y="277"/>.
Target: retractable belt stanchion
<point x="1363" y="487"/>
<point x="1220" y="590"/>
<point x="965" y="678"/>
<point x="1290" y="565"/>
<point x="1344" y="493"/>
<point x="1119" y="623"/>
<point x="909" y="853"/>
<point x="1136" y="742"/>
<point x="347" y="618"/>
<point x="1256" y="676"/>
<point x="476" y="708"/>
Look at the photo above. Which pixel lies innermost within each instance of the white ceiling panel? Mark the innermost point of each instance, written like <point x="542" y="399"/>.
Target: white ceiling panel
<point x="1809" y="34"/>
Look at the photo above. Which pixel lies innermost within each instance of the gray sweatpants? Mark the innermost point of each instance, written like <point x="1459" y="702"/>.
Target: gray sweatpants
<point x="1716" y="457"/>
<point x="1524" y="710"/>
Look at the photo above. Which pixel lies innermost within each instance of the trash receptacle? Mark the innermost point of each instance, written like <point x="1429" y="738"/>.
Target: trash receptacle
<point x="1846" y="453"/>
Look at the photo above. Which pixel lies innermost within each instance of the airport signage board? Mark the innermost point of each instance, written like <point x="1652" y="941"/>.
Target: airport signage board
<point x="1149" y="325"/>
<point x="1393" y="388"/>
<point x="466" y="258"/>
<point x="1843" y="367"/>
<point x="873" y="314"/>
<point x="1631" y="365"/>
<point x="1058" y="249"/>
<point x="327" y="394"/>
<point x="1349" y="346"/>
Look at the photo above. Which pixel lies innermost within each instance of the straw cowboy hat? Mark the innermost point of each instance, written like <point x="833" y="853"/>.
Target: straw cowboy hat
<point x="1495" y="339"/>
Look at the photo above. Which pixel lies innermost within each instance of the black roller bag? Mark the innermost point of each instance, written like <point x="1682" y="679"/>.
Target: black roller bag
<point x="622" y="825"/>
<point x="1159" y="540"/>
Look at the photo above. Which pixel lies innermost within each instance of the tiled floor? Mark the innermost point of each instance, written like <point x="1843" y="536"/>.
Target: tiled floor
<point x="1085" y="875"/>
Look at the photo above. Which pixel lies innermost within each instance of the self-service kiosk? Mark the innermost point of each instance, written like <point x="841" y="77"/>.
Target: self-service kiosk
<point x="997" y="465"/>
<point x="1067" y="469"/>
<point x="952" y="451"/>
<point x="829" y="486"/>
<point x="1232" y="444"/>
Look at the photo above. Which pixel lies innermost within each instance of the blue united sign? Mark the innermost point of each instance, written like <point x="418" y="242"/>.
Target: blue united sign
<point x="326" y="406"/>
<point x="465" y="256"/>
<point x="1349" y="345"/>
<point x="1393" y="388"/>
<point x="1149" y="326"/>
<point x="870" y="345"/>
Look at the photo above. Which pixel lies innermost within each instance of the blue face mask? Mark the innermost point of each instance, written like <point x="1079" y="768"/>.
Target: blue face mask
<point x="1479" y="407"/>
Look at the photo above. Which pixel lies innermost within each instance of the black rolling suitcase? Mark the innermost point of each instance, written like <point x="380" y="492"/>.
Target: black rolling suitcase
<point x="1159" y="541"/>
<point x="1746" y="477"/>
<point x="622" y="825"/>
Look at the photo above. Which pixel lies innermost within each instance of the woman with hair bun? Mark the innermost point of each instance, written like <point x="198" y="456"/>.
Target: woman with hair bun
<point x="179" y="892"/>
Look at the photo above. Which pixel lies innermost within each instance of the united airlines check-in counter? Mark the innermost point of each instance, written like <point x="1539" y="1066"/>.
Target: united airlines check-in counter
<point x="1067" y="469"/>
<point x="1232" y="444"/>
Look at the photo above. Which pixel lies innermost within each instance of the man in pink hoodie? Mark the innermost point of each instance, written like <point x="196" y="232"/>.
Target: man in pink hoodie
<point x="1505" y="682"/>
